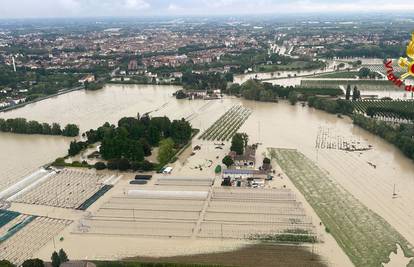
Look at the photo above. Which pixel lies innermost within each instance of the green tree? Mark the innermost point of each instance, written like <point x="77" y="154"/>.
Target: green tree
<point x="33" y="263"/>
<point x="181" y="131"/>
<point x="166" y="151"/>
<point x="348" y="92"/>
<point x="364" y="72"/>
<point x="5" y="263"/>
<point x="100" y="165"/>
<point x="356" y="94"/>
<point x="228" y="161"/>
<point x="71" y="130"/>
<point x="217" y="169"/>
<point x="55" y="259"/>
<point x="123" y="165"/>
<point x="293" y="97"/>
<point x="56" y="130"/>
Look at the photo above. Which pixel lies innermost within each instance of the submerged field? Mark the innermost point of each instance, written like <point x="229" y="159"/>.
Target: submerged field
<point x="365" y="237"/>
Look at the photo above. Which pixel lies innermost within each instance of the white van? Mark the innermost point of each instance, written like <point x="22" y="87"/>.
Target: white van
<point x="167" y="170"/>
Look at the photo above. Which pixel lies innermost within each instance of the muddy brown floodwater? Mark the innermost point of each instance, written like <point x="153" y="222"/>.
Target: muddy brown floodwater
<point x="273" y="124"/>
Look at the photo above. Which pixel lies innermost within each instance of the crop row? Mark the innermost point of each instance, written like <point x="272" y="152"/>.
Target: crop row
<point x="227" y="125"/>
<point x="395" y="109"/>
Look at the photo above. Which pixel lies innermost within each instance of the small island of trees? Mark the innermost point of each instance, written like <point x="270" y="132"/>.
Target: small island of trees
<point x="126" y="145"/>
<point x="22" y="126"/>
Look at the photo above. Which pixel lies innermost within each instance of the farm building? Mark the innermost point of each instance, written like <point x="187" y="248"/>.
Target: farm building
<point x="244" y="177"/>
<point x="248" y="159"/>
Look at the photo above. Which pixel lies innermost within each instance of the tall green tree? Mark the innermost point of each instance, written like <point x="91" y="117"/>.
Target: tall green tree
<point x="293" y="97"/>
<point x="71" y="130"/>
<point x="63" y="256"/>
<point x="166" y="151"/>
<point x="348" y="92"/>
<point x="55" y="259"/>
<point x="239" y="142"/>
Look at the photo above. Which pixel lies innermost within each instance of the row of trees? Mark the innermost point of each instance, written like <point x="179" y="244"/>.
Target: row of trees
<point x="330" y="105"/>
<point x="57" y="259"/>
<point x="401" y="135"/>
<point x="22" y="126"/>
<point x="356" y="94"/>
<point x="267" y="92"/>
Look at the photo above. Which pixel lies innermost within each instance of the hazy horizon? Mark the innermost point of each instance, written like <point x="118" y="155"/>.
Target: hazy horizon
<point x="20" y="9"/>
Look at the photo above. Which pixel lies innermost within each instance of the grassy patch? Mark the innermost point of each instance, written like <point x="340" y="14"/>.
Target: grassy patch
<point x="339" y="74"/>
<point x="364" y="236"/>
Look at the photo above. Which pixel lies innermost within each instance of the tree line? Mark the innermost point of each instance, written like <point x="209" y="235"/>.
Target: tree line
<point x="22" y="126"/>
<point x="333" y="106"/>
<point x="57" y="259"/>
<point x="267" y="92"/>
<point x="401" y="135"/>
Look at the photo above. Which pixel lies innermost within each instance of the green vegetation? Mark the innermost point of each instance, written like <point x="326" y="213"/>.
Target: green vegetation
<point x="147" y="264"/>
<point x="22" y="126"/>
<point x="228" y="161"/>
<point x="365" y="237"/>
<point x="205" y="81"/>
<point x="94" y="86"/>
<point x="292" y="65"/>
<point x="38" y="82"/>
<point x="33" y="263"/>
<point x="267" y="92"/>
<point x="339" y="74"/>
<point x="369" y="51"/>
<point x="125" y="146"/>
<point x="288" y="236"/>
<point x="5" y="263"/>
<point x="227" y="125"/>
<point x="333" y="106"/>
<point x="217" y="170"/>
<point x="293" y="97"/>
<point x="166" y="151"/>
<point x="400" y="135"/>
<point x="393" y="109"/>
<point x="239" y="142"/>
<point x="375" y="84"/>
<point x="59" y="257"/>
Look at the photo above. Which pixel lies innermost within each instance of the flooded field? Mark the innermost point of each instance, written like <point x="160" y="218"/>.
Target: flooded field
<point x="278" y="125"/>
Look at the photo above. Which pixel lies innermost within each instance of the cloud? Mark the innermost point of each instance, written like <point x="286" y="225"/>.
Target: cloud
<point x="136" y="4"/>
<point x="88" y="8"/>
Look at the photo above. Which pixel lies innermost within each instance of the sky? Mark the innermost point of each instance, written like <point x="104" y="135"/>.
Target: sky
<point x="142" y="8"/>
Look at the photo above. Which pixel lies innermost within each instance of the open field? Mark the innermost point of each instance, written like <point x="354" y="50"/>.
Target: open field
<point x="67" y="189"/>
<point x="339" y="74"/>
<point x="263" y="255"/>
<point x="32" y="234"/>
<point x="365" y="237"/>
<point x="227" y="125"/>
<point x="335" y="82"/>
